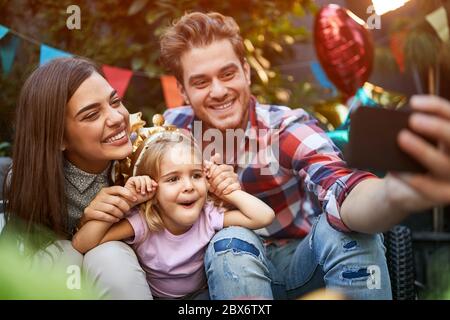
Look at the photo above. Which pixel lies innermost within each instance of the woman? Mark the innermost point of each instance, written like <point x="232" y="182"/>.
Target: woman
<point x="70" y="125"/>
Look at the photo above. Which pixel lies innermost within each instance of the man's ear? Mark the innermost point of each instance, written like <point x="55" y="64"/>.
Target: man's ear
<point x="247" y="71"/>
<point x="183" y="92"/>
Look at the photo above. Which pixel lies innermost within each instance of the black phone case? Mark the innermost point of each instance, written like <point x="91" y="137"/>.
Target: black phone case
<point x="373" y="141"/>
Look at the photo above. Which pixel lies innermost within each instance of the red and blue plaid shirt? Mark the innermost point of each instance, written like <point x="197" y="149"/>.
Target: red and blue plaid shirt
<point x="310" y="177"/>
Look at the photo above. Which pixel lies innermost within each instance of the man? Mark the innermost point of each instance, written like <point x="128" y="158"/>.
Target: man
<point x="339" y="248"/>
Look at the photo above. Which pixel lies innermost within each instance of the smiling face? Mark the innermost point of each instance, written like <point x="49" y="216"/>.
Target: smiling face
<point x="217" y="85"/>
<point x="96" y="127"/>
<point x="182" y="188"/>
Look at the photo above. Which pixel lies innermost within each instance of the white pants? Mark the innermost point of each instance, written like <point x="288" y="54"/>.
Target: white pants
<point x="112" y="267"/>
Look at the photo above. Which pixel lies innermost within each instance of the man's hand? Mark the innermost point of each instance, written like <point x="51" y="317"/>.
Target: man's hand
<point x="142" y="187"/>
<point x="375" y="205"/>
<point x="221" y="177"/>
<point x="434" y="123"/>
<point x="109" y="205"/>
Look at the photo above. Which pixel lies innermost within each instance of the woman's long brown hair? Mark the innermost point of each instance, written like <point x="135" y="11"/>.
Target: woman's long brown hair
<point x="34" y="190"/>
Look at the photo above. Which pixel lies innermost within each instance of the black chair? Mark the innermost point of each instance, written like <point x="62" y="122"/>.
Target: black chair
<point x="400" y="261"/>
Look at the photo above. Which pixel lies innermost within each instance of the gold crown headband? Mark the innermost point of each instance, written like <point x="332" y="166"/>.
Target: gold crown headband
<point x="141" y="138"/>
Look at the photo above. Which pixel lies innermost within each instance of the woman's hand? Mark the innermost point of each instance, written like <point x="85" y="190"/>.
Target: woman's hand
<point x="221" y="177"/>
<point x="109" y="205"/>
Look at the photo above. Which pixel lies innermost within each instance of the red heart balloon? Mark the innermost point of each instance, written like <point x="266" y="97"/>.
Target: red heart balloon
<point x="344" y="48"/>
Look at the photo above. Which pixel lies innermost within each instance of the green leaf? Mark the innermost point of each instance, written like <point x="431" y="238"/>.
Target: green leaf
<point x="136" y="6"/>
<point x="420" y="50"/>
<point x="137" y="63"/>
<point x="152" y="71"/>
<point x="4" y="149"/>
<point x="154" y="15"/>
<point x="298" y="10"/>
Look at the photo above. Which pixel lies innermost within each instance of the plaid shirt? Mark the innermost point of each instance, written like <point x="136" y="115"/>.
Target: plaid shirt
<point x="310" y="177"/>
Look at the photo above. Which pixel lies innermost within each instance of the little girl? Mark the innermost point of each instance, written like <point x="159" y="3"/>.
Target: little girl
<point x="172" y="228"/>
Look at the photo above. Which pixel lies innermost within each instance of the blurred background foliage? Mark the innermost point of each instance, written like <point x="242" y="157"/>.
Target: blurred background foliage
<point x="30" y="278"/>
<point x="126" y="34"/>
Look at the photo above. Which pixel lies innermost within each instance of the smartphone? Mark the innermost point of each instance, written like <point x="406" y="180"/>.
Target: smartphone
<point x="373" y="141"/>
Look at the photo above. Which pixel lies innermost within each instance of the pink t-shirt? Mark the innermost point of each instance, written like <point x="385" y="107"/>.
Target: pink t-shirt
<point x="174" y="263"/>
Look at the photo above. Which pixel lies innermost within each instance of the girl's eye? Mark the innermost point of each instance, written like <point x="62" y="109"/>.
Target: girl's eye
<point x="172" y="179"/>
<point x="198" y="176"/>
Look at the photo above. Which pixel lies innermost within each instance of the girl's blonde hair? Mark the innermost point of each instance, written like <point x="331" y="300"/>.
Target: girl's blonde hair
<point x="150" y="165"/>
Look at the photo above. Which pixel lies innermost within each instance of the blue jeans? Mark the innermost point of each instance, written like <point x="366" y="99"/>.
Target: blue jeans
<point x="238" y="266"/>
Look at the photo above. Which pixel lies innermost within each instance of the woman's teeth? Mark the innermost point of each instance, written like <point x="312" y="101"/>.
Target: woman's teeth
<point x="118" y="136"/>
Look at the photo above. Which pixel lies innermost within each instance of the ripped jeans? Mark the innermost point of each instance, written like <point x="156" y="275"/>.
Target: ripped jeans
<point x="238" y="266"/>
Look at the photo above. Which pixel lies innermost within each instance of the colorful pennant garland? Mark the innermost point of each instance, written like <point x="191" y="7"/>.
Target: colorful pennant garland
<point x="172" y="94"/>
<point x="48" y="53"/>
<point x="3" y="31"/>
<point x="8" y="49"/>
<point x="119" y="78"/>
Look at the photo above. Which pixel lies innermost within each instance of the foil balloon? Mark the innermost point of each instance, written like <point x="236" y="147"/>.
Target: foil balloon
<point x="344" y="48"/>
<point x="383" y="98"/>
<point x="339" y="138"/>
<point x="333" y="110"/>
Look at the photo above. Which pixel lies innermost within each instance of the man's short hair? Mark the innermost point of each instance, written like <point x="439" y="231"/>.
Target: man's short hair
<point x="197" y="30"/>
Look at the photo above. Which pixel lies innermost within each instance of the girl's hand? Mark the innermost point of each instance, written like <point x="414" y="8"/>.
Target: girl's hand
<point x="109" y="205"/>
<point x="142" y="187"/>
<point x="221" y="177"/>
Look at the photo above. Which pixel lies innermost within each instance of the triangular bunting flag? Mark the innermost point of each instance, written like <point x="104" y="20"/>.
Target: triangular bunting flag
<point x="3" y="31"/>
<point x="397" y="45"/>
<point x="118" y="78"/>
<point x="438" y="20"/>
<point x="8" y="52"/>
<point x="172" y="94"/>
<point x="49" y="53"/>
